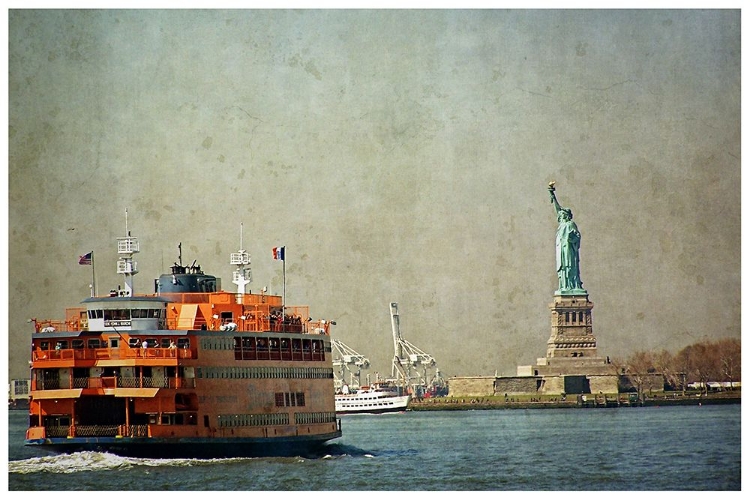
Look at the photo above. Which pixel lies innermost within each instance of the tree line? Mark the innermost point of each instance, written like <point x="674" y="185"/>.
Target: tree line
<point x="701" y="362"/>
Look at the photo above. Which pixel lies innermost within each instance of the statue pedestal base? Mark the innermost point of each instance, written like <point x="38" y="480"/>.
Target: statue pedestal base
<point x="572" y="333"/>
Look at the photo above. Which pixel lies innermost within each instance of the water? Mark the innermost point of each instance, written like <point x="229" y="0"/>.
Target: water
<point x="668" y="448"/>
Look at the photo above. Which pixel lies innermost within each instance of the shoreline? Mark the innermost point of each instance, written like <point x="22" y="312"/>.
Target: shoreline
<point x="572" y="401"/>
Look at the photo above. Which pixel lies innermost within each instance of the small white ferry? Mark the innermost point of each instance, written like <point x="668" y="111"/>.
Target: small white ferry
<point x="372" y="399"/>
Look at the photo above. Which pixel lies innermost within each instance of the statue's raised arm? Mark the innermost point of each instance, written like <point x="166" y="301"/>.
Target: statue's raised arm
<point x="552" y="197"/>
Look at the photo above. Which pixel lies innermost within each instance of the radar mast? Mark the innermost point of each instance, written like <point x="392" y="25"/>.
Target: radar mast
<point x="241" y="275"/>
<point x="127" y="246"/>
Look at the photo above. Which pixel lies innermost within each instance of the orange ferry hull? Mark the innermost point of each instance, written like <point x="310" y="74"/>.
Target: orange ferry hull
<point x="188" y="371"/>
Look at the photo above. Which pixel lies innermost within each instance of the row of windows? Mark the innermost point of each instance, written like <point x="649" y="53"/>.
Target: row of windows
<point x="290" y="398"/>
<point x="249" y="420"/>
<point x="260" y="344"/>
<point x="120" y="314"/>
<point x="165" y="342"/>
<point x="575" y="317"/>
<point x="217" y="343"/>
<point x="368" y="405"/>
<point x="240" y="372"/>
<point x="315" y="417"/>
<point x="273" y="343"/>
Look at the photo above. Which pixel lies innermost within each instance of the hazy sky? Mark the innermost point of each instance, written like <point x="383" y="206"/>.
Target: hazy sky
<point x="398" y="155"/>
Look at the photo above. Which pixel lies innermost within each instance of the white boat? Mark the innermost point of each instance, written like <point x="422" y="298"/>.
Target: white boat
<point x="373" y="399"/>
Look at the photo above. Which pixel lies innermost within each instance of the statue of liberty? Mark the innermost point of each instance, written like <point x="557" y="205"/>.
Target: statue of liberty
<point x="567" y="244"/>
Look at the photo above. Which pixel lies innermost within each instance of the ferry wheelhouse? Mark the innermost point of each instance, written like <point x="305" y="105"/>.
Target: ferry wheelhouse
<point x="188" y="371"/>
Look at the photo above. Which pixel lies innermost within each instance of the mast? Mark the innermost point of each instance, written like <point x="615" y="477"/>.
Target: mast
<point x="127" y="246"/>
<point x="241" y="275"/>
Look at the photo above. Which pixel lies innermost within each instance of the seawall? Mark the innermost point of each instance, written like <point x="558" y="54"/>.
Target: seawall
<point x="572" y="401"/>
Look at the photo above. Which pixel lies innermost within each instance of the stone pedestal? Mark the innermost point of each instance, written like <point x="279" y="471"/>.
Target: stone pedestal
<point x="572" y="330"/>
<point x="572" y="364"/>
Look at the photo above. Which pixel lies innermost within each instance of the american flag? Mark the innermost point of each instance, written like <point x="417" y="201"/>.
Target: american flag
<point x="85" y="260"/>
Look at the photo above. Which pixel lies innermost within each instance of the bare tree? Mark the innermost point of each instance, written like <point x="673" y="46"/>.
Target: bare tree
<point x="729" y="352"/>
<point x="639" y="367"/>
<point x="665" y="363"/>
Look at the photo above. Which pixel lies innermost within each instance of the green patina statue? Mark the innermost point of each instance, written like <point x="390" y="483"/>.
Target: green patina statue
<point x="567" y="244"/>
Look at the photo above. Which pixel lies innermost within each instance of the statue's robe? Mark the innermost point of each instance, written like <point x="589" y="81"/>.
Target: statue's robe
<point x="567" y="245"/>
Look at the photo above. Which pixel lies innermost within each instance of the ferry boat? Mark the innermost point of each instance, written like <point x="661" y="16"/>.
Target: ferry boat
<point x="187" y="371"/>
<point x="371" y="399"/>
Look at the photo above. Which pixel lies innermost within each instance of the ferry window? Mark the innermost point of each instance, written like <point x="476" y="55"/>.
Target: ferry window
<point x="114" y="343"/>
<point x="61" y="344"/>
<point x="165" y="342"/>
<point x="143" y="313"/>
<point x="94" y="343"/>
<point x="116" y="314"/>
<point x="77" y="344"/>
<point x="152" y="342"/>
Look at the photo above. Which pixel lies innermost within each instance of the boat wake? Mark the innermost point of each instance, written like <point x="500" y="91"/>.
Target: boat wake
<point x="86" y="461"/>
<point x="98" y="461"/>
<point x="334" y="451"/>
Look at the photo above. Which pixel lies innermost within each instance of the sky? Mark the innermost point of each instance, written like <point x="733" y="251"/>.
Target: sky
<point x="398" y="155"/>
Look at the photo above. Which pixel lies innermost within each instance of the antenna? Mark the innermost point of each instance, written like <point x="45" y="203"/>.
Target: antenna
<point x="242" y="275"/>
<point x="127" y="246"/>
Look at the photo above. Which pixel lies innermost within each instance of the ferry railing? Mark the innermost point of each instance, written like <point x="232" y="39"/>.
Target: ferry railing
<point x="94" y="430"/>
<point x="57" y="430"/>
<point x="134" y="430"/>
<point x="49" y="383"/>
<point x="112" y="382"/>
<point x="113" y="353"/>
<point x="125" y="382"/>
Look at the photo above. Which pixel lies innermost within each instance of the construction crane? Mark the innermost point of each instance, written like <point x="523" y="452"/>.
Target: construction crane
<point x="408" y="360"/>
<point x="347" y="361"/>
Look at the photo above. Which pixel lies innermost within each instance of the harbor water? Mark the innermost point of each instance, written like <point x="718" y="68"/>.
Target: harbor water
<point x="646" y="449"/>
